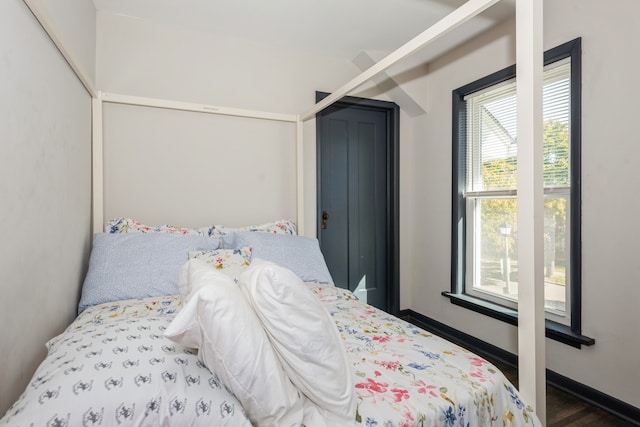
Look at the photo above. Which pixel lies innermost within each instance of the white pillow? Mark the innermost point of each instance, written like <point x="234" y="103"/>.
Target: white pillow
<point x="198" y="272"/>
<point x="305" y="338"/>
<point x="219" y="322"/>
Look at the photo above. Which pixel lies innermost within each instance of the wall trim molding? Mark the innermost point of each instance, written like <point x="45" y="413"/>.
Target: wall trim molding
<point x="588" y="394"/>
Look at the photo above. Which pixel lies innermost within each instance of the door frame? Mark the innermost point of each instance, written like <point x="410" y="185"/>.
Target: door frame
<point x="392" y="112"/>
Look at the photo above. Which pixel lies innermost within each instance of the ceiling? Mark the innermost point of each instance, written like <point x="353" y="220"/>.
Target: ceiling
<point x="342" y="28"/>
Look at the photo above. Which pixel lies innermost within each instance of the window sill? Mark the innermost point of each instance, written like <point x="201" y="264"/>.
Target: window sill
<point x="554" y="331"/>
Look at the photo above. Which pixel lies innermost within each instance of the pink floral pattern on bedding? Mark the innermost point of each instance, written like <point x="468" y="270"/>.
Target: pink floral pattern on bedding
<point x="128" y="225"/>
<point x="405" y="376"/>
<point x="129" y="309"/>
<point x="281" y="226"/>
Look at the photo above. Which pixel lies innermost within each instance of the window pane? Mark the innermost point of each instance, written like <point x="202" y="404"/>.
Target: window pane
<point x="556" y="248"/>
<point x="492" y="114"/>
<point x="492" y="132"/>
<point x="495" y="243"/>
<point x="556" y="115"/>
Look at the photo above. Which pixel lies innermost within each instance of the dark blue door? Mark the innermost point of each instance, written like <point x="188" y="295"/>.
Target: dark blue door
<point x="352" y="199"/>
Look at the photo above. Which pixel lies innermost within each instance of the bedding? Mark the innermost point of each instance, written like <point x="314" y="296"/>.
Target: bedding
<point x="125" y="266"/>
<point x="130" y="225"/>
<point x="405" y="376"/>
<point x="299" y="254"/>
<point x="220" y="324"/>
<point x="282" y="226"/>
<point x="231" y="262"/>
<point x="304" y="337"/>
<point x="113" y="366"/>
<point x="151" y="360"/>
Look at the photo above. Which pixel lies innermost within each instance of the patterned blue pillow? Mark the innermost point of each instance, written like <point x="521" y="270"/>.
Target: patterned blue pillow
<point x="137" y="265"/>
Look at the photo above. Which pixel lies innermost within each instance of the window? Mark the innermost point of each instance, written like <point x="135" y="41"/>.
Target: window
<point x="485" y="234"/>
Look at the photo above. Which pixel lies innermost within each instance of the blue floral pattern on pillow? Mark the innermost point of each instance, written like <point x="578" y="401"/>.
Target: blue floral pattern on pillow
<point x="282" y="226"/>
<point x="128" y="225"/>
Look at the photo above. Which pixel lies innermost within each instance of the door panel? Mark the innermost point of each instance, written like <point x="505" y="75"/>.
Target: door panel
<point x="335" y="238"/>
<point x="353" y="190"/>
<point x="372" y="200"/>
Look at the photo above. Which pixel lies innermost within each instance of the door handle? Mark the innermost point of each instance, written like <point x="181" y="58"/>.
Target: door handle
<point x="325" y="219"/>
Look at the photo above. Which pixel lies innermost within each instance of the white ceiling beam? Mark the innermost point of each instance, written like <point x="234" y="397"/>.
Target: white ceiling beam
<point x="459" y="16"/>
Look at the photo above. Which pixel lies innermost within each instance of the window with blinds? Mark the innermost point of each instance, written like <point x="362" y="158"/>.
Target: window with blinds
<point x="491" y="127"/>
<point x="485" y="264"/>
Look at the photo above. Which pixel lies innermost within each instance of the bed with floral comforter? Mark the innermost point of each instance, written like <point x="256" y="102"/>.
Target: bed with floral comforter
<point x="113" y="366"/>
<point x="405" y="376"/>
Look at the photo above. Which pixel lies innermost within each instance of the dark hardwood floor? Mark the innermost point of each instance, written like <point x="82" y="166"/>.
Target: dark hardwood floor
<point x="566" y="410"/>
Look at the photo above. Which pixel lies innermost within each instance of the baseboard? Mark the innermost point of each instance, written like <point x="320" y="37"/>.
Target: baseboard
<point x="592" y="396"/>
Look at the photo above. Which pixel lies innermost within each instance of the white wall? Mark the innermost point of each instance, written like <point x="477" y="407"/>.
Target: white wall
<point x="192" y="169"/>
<point x="45" y="199"/>
<point x="611" y="273"/>
<point x="76" y="22"/>
<point x="156" y="60"/>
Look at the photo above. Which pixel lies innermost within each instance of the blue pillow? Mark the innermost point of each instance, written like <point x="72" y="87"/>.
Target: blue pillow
<point x="137" y="265"/>
<point x="299" y="254"/>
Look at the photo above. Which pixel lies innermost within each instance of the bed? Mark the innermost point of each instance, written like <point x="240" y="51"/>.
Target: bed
<point x="153" y="344"/>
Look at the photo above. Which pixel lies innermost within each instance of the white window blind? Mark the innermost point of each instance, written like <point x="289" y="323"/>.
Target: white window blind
<point x="491" y="133"/>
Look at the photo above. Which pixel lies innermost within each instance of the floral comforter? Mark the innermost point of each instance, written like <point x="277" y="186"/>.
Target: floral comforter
<point x="405" y="376"/>
<point x="113" y="366"/>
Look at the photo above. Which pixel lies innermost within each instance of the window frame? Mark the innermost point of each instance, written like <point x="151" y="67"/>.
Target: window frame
<point x="569" y="334"/>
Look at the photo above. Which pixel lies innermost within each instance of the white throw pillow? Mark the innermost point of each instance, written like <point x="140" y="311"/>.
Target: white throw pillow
<point x="195" y="271"/>
<point x="232" y="343"/>
<point x="305" y="338"/>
